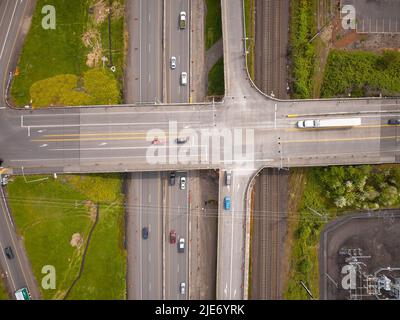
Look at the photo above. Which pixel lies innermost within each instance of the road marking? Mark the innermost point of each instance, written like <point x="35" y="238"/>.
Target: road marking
<point x="340" y="139"/>
<point x="117" y="113"/>
<point x="4" y="13"/>
<point x="103" y="144"/>
<point x="43" y="146"/>
<point x="8" y="30"/>
<point x="5" y="209"/>
<point x="110" y="124"/>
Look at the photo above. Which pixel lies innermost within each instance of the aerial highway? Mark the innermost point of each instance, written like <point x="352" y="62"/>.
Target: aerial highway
<point x="151" y="78"/>
<point x="118" y="138"/>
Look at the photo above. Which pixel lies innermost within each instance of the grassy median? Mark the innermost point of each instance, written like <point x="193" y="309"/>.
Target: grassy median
<point x="77" y="45"/>
<point x="213" y="23"/>
<point x="216" y="82"/>
<point x="54" y="217"/>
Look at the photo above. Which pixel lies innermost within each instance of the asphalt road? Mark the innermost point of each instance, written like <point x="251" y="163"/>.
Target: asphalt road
<point x="176" y="263"/>
<point x="114" y="139"/>
<point x="148" y="68"/>
<point x="19" y="273"/>
<point x="177" y="45"/>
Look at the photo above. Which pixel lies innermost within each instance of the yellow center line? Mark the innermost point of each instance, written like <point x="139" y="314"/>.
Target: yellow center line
<point x="95" y="134"/>
<point x="337" y="128"/>
<point x="89" y="139"/>
<point x="340" y="139"/>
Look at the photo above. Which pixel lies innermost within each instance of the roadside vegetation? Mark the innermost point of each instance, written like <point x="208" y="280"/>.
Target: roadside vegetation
<point x="54" y="217"/>
<point x="216" y="82"/>
<point x="76" y="47"/>
<point x="3" y="291"/>
<point x="362" y="74"/>
<point x="302" y="52"/>
<point x="213" y="23"/>
<point x="249" y="13"/>
<point x="329" y="193"/>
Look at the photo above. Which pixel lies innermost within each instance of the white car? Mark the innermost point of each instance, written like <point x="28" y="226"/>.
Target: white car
<point x="184" y="78"/>
<point x="182" y="288"/>
<point x="181" y="245"/>
<point x="183" y="183"/>
<point x="173" y="62"/>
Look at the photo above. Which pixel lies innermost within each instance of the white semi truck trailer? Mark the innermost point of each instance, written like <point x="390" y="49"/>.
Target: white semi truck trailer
<point x="329" y="123"/>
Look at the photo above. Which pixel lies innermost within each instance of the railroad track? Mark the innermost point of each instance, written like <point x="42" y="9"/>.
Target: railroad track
<point x="272" y="77"/>
<point x="267" y="224"/>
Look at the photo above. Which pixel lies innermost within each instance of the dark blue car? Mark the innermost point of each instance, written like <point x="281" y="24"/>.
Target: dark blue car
<point x="145" y="233"/>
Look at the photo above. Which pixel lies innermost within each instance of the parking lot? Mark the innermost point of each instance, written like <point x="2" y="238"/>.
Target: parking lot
<point x="376" y="16"/>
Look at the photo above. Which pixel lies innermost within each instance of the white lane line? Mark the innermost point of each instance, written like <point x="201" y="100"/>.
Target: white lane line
<point x="232" y="239"/>
<point x="8" y="31"/>
<point x="103" y="144"/>
<point x="4" y="12"/>
<point x="44" y="146"/>
<point x="102" y="124"/>
<point x="195" y="157"/>
<point x="115" y="148"/>
<point x="116" y="113"/>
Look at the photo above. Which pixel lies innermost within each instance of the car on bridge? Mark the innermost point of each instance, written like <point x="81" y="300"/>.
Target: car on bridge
<point x="394" y="122"/>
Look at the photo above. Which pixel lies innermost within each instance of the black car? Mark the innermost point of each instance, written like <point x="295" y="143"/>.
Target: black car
<point x="145" y="233"/>
<point x="1" y="162"/>
<point x="394" y="121"/>
<point x="9" y="253"/>
<point x="172" y="178"/>
<point x="181" y="140"/>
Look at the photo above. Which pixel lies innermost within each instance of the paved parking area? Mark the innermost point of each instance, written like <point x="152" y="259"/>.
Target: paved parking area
<point x="376" y="16"/>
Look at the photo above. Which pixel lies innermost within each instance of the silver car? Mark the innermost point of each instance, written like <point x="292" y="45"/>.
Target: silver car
<point x="183" y="183"/>
<point x="173" y="62"/>
<point x="182" y="288"/>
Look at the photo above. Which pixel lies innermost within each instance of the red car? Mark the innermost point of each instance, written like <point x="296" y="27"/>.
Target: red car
<point x="172" y="237"/>
<point x="156" y="141"/>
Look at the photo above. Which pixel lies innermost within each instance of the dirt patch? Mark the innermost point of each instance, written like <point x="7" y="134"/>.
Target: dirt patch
<point x="100" y="11"/>
<point x="117" y="10"/>
<point x="76" y="240"/>
<point x="92" y="210"/>
<point x="91" y="39"/>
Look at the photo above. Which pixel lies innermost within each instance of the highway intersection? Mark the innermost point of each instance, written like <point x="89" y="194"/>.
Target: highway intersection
<point x="117" y="138"/>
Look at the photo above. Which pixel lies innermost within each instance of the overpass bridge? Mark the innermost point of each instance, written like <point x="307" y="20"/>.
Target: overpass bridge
<point x="245" y="132"/>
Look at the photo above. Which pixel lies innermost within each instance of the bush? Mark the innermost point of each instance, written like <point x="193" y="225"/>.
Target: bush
<point x="361" y="74"/>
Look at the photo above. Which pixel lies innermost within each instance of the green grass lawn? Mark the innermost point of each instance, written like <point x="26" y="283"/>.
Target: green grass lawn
<point x="49" y="53"/>
<point x="216" y="83"/>
<point x="250" y="33"/>
<point x="3" y="292"/>
<point x="213" y="22"/>
<point x="50" y="212"/>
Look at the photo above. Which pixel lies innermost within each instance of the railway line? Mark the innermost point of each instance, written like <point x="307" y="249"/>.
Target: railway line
<point x="269" y="228"/>
<point x="271" y="46"/>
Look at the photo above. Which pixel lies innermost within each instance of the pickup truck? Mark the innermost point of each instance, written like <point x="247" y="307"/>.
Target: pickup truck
<point x="182" y="20"/>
